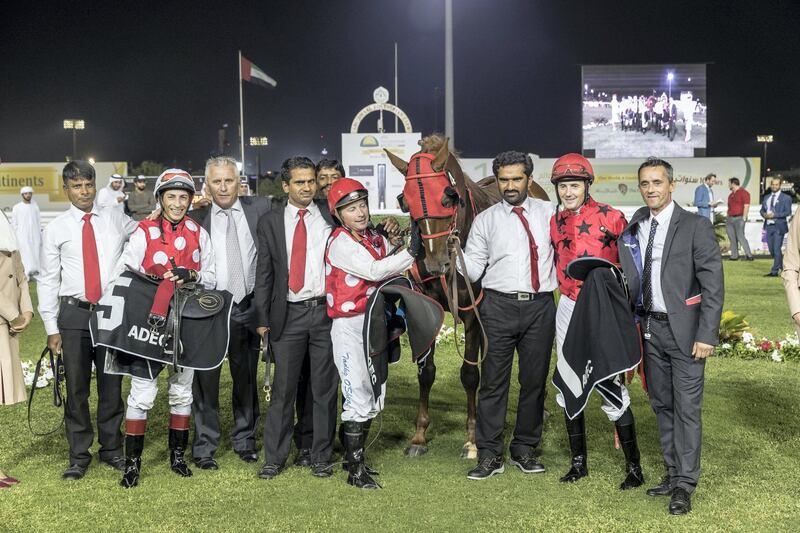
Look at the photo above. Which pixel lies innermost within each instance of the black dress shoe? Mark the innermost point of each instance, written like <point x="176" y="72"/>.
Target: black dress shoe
<point x="206" y="463"/>
<point x="324" y="469"/>
<point x="733" y="259"/>
<point x="681" y="502"/>
<point x="303" y="457"/>
<point x="663" y="489"/>
<point x="270" y="470"/>
<point x="248" y="456"/>
<point x="527" y="463"/>
<point x="749" y="258"/>
<point x="74" y="473"/>
<point x="117" y="463"/>
<point x="486" y="468"/>
<point x="771" y="275"/>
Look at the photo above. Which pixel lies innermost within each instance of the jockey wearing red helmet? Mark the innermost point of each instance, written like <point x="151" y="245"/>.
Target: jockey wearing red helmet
<point x="587" y="228"/>
<point x="357" y="259"/>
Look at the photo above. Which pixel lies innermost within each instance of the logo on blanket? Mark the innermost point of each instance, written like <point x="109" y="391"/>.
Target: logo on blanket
<point x="145" y="334"/>
<point x="587" y="372"/>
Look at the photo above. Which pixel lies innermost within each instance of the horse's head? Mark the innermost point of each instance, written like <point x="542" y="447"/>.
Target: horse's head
<point x="431" y="197"/>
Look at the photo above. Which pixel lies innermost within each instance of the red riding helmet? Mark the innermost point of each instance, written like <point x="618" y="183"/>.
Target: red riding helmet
<point x="572" y="167"/>
<point x="345" y="191"/>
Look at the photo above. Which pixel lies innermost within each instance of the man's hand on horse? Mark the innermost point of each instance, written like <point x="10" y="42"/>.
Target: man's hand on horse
<point x="392" y="227"/>
<point x="452" y="245"/>
<point x="181" y="275"/>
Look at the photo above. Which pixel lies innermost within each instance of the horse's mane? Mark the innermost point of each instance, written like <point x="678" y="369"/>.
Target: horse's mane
<point x="484" y="192"/>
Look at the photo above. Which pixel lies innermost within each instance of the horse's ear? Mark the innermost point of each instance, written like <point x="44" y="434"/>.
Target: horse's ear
<point x="441" y="156"/>
<point x="535" y="190"/>
<point x="401" y="201"/>
<point x="398" y="163"/>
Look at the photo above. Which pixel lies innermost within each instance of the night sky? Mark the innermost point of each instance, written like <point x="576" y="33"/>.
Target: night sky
<point x="155" y="80"/>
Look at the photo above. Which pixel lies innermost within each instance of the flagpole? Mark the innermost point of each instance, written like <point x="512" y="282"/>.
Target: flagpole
<point x="241" y="113"/>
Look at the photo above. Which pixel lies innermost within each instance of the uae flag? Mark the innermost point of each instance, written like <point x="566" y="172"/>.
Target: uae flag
<point x="253" y="74"/>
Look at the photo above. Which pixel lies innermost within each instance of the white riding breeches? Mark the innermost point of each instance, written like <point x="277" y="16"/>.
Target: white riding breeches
<point x="143" y="394"/>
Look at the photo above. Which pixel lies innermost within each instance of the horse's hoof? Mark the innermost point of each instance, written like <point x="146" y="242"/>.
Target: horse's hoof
<point x="416" y="450"/>
<point x="469" y="451"/>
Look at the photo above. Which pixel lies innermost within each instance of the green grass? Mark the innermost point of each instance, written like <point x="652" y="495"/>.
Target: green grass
<point x="751" y="460"/>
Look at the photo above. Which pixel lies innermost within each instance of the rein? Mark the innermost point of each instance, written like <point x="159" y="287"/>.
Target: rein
<point x="458" y="255"/>
<point x="57" y="364"/>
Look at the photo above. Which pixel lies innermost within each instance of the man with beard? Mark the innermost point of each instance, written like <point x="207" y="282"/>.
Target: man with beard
<point x="509" y="249"/>
<point x="27" y="224"/>
<point x="140" y="202"/>
<point x="80" y="248"/>
<point x="328" y="171"/>
<point x="585" y="228"/>
<point x="112" y="195"/>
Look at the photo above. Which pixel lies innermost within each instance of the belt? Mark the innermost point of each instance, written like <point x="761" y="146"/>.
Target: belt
<point x="521" y="296"/>
<point x="69" y="300"/>
<point x="661" y="317"/>
<point x="311" y="302"/>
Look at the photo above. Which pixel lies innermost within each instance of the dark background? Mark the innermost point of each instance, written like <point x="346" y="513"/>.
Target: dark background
<point x="156" y="80"/>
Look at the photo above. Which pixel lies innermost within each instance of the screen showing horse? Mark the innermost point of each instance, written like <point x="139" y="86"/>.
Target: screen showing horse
<point x="644" y="110"/>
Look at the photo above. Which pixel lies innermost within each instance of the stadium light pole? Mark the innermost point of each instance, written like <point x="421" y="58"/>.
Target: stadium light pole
<point x="259" y="142"/>
<point x="74" y="124"/>
<point x="449" y="126"/>
<point x="670" y="77"/>
<point x="765" y="140"/>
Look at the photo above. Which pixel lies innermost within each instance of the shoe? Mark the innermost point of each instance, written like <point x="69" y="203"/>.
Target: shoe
<point x="576" y="433"/>
<point x="323" y="469"/>
<point x="749" y="258"/>
<point x="248" y="456"/>
<point x="486" y="468"/>
<point x="771" y="275"/>
<point x="74" y="473"/>
<point x="117" y="463"/>
<point x="8" y="480"/>
<point x="178" y="440"/>
<point x="733" y="259"/>
<point x="357" y="475"/>
<point x="681" y="502"/>
<point x="627" y="440"/>
<point x="303" y="458"/>
<point x="134" y="444"/>
<point x="527" y="463"/>
<point x="206" y="463"/>
<point x="663" y="489"/>
<point x="270" y="470"/>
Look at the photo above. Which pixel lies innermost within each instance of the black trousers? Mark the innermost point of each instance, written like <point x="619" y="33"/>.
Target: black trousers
<point x="528" y="327"/>
<point x="79" y="354"/>
<point x="243" y="357"/>
<point x="304" y="406"/>
<point x="675" y="386"/>
<point x="307" y="331"/>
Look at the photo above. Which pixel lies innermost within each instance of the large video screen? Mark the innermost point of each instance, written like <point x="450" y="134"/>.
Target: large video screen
<point x="644" y="110"/>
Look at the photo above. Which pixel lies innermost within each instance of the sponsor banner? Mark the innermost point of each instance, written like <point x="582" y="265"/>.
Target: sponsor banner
<point x="45" y="178"/>
<point x="364" y="159"/>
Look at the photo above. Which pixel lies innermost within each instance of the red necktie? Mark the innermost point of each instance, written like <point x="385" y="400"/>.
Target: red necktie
<point x="534" y="252"/>
<point x="91" y="264"/>
<point x="297" y="266"/>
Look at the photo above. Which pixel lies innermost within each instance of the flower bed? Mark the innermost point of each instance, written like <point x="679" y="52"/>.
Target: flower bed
<point x="786" y="349"/>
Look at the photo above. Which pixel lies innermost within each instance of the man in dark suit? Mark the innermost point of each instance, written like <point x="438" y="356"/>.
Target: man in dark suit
<point x="292" y="314"/>
<point x="674" y="271"/>
<point x="231" y="221"/>
<point x="775" y="209"/>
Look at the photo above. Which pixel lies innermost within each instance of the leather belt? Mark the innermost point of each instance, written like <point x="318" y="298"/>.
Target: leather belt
<point x="69" y="300"/>
<point x="661" y="317"/>
<point x="311" y="302"/>
<point x="521" y="296"/>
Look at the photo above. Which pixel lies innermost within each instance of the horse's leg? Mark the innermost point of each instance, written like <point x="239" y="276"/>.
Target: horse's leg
<point x="470" y="378"/>
<point x="426" y="375"/>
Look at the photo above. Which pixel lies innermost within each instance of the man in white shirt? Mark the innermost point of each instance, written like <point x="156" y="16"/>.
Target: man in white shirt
<point x="79" y="251"/>
<point x="231" y="221"/>
<point x="290" y="304"/>
<point x="509" y="244"/>
<point x="27" y="224"/>
<point x="112" y="195"/>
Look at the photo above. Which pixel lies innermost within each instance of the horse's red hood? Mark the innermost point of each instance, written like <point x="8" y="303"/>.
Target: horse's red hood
<point x="425" y="189"/>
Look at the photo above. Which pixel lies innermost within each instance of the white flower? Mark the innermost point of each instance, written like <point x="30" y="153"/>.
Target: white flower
<point x="791" y="340"/>
<point x="725" y="346"/>
<point x="747" y="337"/>
<point x="776" y="356"/>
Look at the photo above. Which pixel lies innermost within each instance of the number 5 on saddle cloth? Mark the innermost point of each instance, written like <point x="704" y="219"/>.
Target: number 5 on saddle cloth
<point x="199" y="317"/>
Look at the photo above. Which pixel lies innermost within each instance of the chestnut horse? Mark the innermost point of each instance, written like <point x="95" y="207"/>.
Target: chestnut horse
<point x="443" y="202"/>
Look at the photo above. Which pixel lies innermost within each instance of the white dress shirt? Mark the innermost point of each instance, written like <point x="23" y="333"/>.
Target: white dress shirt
<point x="134" y="252"/>
<point x="107" y="198"/>
<point x="247" y="245"/>
<point x="349" y="255"/>
<point x="498" y="244"/>
<point x="642" y="234"/>
<point x="62" y="256"/>
<point x="317" y="233"/>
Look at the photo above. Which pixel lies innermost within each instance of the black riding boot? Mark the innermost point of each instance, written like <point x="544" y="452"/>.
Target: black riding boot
<point x="178" y="439"/>
<point x="134" y="444"/>
<point x="371" y="471"/>
<point x="627" y="439"/>
<point x="354" y="455"/>
<point x="576" y="432"/>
